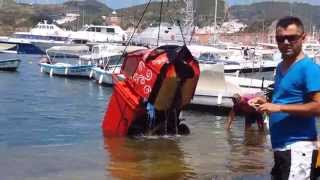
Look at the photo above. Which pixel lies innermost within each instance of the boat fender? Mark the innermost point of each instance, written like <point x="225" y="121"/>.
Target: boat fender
<point x="101" y="78"/>
<point x="91" y="74"/>
<point x="51" y="72"/>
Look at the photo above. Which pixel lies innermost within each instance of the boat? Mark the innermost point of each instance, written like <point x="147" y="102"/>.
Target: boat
<point x="107" y="60"/>
<point x="43" y="32"/>
<point x="66" y="69"/>
<point x="88" y="35"/>
<point x="234" y="60"/>
<point x="107" y="66"/>
<point x="54" y="65"/>
<point x="215" y="88"/>
<point x="8" y="48"/>
<point x="97" y="33"/>
<point x="9" y="64"/>
<point x="69" y="51"/>
<point x="158" y="83"/>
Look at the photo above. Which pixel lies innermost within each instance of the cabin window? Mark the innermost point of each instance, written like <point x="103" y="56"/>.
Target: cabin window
<point x="204" y="56"/>
<point x="91" y="29"/>
<point x="115" y="60"/>
<point x="110" y="30"/>
<point x="130" y="65"/>
<point x="98" y="29"/>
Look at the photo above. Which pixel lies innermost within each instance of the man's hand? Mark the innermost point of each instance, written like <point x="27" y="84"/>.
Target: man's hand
<point x="269" y="108"/>
<point x="257" y="101"/>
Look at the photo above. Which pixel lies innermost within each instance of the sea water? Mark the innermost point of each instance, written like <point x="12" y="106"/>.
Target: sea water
<point x="50" y="128"/>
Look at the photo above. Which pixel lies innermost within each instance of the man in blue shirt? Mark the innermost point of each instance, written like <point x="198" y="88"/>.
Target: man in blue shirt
<point x="295" y="105"/>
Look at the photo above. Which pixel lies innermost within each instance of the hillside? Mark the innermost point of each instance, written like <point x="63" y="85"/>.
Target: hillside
<point x="172" y="11"/>
<point x="262" y="14"/>
<point x="21" y="17"/>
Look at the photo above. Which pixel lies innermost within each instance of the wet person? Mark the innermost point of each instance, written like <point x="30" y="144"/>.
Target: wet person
<point x="294" y="106"/>
<point x="241" y="107"/>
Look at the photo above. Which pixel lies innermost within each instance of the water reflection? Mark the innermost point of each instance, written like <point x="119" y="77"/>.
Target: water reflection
<point x="249" y="152"/>
<point x="146" y="158"/>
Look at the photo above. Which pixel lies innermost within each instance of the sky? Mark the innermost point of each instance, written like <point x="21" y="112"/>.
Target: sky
<point x="116" y="4"/>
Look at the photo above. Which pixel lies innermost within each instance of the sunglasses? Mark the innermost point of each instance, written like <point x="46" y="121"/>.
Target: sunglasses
<point x="290" y="38"/>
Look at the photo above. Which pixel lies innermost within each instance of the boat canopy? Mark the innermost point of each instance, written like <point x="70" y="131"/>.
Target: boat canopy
<point x="69" y="50"/>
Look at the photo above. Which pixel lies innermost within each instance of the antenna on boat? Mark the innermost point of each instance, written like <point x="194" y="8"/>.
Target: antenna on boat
<point x="183" y="38"/>
<point x="160" y="22"/>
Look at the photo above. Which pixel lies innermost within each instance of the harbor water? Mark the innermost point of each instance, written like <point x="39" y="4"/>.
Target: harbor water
<point x="50" y="128"/>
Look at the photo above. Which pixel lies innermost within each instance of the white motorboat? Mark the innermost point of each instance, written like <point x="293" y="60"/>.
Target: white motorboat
<point x="8" y="48"/>
<point x="64" y="66"/>
<point x="43" y="32"/>
<point x="215" y="88"/>
<point x="96" y="33"/>
<point x="107" y="60"/>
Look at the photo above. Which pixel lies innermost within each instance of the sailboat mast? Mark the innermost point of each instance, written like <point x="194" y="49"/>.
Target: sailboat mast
<point x="215" y="20"/>
<point x="189" y="12"/>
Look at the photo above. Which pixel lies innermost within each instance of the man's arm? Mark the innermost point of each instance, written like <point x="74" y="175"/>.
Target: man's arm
<point x="230" y="119"/>
<point x="311" y="108"/>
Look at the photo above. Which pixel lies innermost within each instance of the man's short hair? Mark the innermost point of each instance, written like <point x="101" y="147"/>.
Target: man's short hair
<point x="288" y="20"/>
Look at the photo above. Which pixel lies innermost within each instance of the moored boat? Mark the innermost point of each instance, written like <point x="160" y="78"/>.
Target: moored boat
<point x="9" y="64"/>
<point x="8" y="48"/>
<point x="215" y="88"/>
<point x="66" y="69"/>
<point x="108" y="61"/>
<point x="64" y="66"/>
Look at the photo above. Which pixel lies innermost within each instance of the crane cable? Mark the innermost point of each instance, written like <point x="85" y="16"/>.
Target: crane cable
<point x="134" y="31"/>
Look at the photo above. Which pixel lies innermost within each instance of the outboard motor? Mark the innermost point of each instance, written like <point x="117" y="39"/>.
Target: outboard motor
<point x="150" y="91"/>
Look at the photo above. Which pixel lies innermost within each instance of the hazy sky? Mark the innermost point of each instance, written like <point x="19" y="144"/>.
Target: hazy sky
<point x="115" y="4"/>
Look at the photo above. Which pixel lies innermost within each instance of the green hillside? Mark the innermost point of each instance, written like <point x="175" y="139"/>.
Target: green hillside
<point x="17" y="17"/>
<point x="21" y="17"/>
<point x="262" y="14"/>
<point x="173" y="11"/>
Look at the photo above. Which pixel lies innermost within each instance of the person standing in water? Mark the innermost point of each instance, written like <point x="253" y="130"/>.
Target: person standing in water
<point x="294" y="106"/>
<point x="241" y="107"/>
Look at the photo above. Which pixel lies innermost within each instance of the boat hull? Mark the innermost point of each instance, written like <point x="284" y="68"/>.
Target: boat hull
<point x="60" y="70"/>
<point x="24" y="47"/>
<point x="104" y="76"/>
<point x="9" y="64"/>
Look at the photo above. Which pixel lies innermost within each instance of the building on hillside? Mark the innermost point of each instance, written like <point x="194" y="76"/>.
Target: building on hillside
<point x="114" y="19"/>
<point x="68" y="18"/>
<point x="232" y="26"/>
<point x="272" y="33"/>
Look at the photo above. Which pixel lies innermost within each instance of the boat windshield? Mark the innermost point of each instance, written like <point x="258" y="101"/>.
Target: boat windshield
<point x="208" y="57"/>
<point x="115" y="60"/>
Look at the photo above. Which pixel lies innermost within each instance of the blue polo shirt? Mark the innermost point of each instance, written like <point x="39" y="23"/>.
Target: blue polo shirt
<point x="293" y="87"/>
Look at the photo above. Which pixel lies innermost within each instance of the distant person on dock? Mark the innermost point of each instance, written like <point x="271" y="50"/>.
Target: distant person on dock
<point x="241" y="107"/>
<point x="294" y="106"/>
<point x="246" y="53"/>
